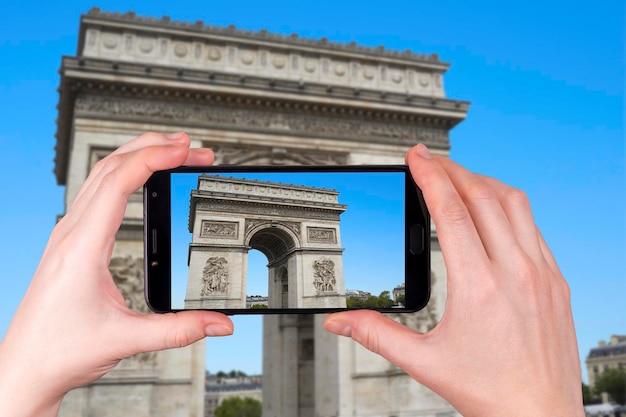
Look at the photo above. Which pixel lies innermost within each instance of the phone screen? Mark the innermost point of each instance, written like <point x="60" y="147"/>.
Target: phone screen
<point x="287" y="240"/>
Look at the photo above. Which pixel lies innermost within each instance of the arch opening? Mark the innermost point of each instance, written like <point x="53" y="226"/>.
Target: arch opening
<point x="276" y="244"/>
<point x="273" y="242"/>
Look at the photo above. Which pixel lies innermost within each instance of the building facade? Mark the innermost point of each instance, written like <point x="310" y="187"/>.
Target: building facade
<point x="254" y="98"/>
<point x="608" y="355"/>
<point x="220" y="388"/>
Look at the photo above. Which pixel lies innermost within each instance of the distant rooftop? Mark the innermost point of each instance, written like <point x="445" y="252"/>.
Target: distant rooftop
<point x="615" y="347"/>
<point x="609" y="350"/>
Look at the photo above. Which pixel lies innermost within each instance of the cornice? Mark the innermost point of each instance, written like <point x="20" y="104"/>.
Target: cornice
<point x="288" y="188"/>
<point x="143" y="77"/>
<point x="159" y="68"/>
<point x="120" y="38"/>
<point x="97" y="16"/>
<point x="107" y="90"/>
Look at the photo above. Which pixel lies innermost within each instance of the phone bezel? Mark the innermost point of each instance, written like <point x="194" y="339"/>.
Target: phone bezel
<point x="157" y="236"/>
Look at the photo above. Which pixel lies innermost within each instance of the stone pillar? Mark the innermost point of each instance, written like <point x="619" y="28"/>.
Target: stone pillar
<point x="329" y="365"/>
<point x="280" y="360"/>
<point x="217" y="278"/>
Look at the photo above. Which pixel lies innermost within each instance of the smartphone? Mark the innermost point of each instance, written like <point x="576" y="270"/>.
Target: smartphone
<point x="286" y="239"/>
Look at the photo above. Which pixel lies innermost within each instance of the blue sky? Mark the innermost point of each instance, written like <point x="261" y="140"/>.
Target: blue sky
<point x="546" y="83"/>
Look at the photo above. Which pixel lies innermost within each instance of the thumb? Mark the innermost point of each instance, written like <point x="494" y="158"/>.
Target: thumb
<point x="380" y="334"/>
<point x="175" y="330"/>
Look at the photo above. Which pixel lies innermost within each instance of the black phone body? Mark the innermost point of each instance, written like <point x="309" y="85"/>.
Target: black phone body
<point x="326" y="238"/>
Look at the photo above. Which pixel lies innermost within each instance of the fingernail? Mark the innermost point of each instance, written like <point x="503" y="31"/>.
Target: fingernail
<point x="174" y="136"/>
<point x="423" y="151"/>
<point x="218" y="329"/>
<point x="339" y="327"/>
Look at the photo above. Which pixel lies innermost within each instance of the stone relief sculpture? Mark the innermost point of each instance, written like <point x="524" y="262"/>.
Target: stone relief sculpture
<point x="127" y="273"/>
<point x="322" y="235"/>
<point x="215" y="277"/>
<point x="324" y="275"/>
<point x="219" y="229"/>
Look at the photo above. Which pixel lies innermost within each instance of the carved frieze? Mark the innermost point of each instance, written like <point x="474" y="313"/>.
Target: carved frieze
<point x="267" y="209"/>
<point x="219" y="229"/>
<point x="246" y="155"/>
<point x="321" y="235"/>
<point x="259" y="119"/>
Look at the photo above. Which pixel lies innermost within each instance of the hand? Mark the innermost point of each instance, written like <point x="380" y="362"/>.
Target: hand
<point x="73" y="325"/>
<point x="506" y="344"/>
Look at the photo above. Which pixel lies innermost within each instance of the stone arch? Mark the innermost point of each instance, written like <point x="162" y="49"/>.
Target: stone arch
<point x="278" y="243"/>
<point x="273" y="239"/>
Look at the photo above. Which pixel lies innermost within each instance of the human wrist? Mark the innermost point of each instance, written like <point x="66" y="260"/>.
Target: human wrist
<point x="21" y="393"/>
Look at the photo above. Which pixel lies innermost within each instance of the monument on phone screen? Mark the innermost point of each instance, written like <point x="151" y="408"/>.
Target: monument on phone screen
<point x="295" y="226"/>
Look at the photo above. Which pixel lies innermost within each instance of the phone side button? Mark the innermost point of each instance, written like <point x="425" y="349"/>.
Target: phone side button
<point x="416" y="239"/>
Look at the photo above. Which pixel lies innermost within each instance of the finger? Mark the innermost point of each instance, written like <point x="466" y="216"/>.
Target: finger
<point x="547" y="255"/>
<point x="196" y="157"/>
<point x="87" y="190"/>
<point x="152" y="139"/>
<point x="103" y="206"/>
<point x="519" y="214"/>
<point x="145" y="140"/>
<point x="398" y="344"/>
<point x="152" y="332"/>
<point x="486" y="211"/>
<point x="455" y="228"/>
<point x="199" y="157"/>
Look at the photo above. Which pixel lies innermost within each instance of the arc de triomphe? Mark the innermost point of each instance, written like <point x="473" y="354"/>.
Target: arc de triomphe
<point x="296" y="227"/>
<point x="255" y="98"/>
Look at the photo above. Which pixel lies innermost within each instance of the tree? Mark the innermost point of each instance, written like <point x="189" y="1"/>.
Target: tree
<point x="354" y="302"/>
<point x="236" y="374"/>
<point x="382" y="301"/>
<point x="588" y="397"/>
<point x="613" y="382"/>
<point x="239" y="407"/>
<point x="385" y="300"/>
